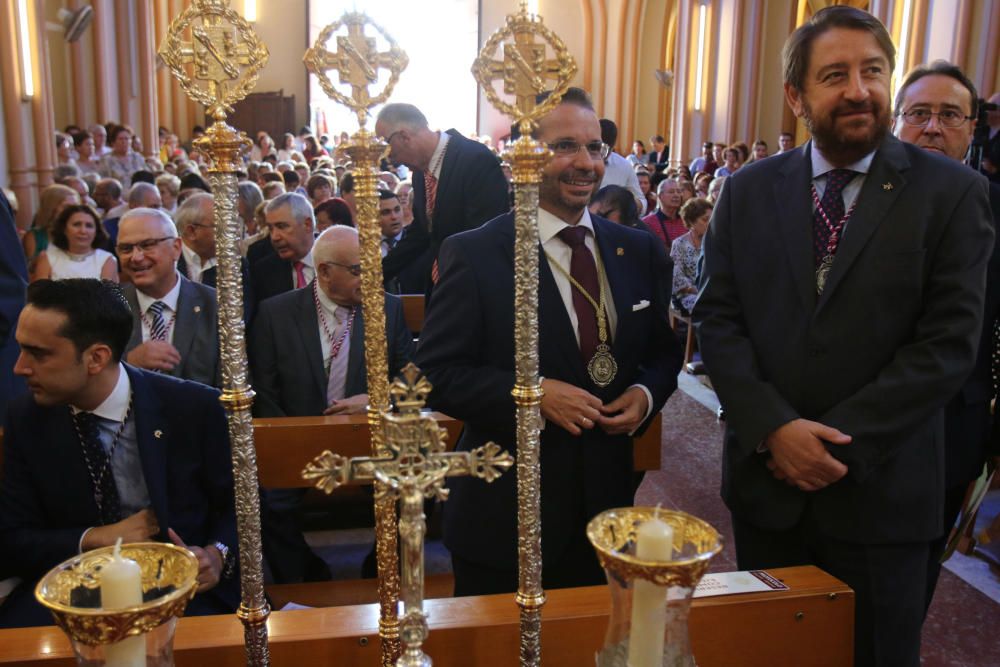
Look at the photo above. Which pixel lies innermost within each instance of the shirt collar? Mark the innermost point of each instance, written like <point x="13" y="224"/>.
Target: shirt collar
<point x="437" y="157"/>
<point x="169" y="299"/>
<point x="115" y="406"/>
<point x="327" y="303"/>
<point x="308" y="260"/>
<point x="820" y="165"/>
<point x="549" y="225"/>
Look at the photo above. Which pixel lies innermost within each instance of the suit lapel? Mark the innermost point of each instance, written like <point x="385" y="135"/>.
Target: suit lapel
<point x="189" y="310"/>
<point x="307" y="325"/>
<point x="56" y="428"/>
<point x="135" y="340"/>
<point x="614" y="269"/>
<point x="356" y="375"/>
<point x="448" y="168"/>
<point x="793" y="207"/>
<point x="884" y="183"/>
<point x="151" y="433"/>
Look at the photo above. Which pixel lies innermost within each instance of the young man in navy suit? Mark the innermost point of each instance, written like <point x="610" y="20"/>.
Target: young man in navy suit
<point x="99" y="451"/>
<point x="589" y="268"/>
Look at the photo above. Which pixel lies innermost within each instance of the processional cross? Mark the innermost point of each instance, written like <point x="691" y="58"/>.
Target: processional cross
<point x="415" y="469"/>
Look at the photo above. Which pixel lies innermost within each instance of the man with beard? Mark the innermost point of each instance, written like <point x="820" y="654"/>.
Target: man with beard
<point x="841" y="304"/>
<point x="599" y="284"/>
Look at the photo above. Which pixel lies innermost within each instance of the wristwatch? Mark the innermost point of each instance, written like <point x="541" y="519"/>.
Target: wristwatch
<point x="228" y="562"/>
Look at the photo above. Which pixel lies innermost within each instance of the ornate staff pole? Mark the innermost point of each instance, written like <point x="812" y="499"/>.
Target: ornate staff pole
<point x="415" y="468"/>
<point x="226" y="56"/>
<point x="357" y="60"/>
<point x="524" y="70"/>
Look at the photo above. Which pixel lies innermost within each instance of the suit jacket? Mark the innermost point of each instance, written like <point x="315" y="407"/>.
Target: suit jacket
<point x="472" y="189"/>
<point x="46" y="496"/>
<point x="467" y="351"/>
<point x="287" y="359"/>
<point x="877" y="355"/>
<point x="270" y="276"/>
<point x="209" y="276"/>
<point x="196" y="332"/>
<point x="13" y="283"/>
<point x="412" y="278"/>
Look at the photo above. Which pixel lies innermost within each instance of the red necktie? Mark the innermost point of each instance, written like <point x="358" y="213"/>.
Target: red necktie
<point x="431" y="188"/>
<point x="300" y="275"/>
<point x="584" y="271"/>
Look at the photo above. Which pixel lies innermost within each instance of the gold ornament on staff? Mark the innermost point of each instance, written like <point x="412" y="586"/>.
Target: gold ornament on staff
<point x="415" y="468"/>
<point x="357" y="61"/>
<point x="526" y="71"/>
<point x="225" y="56"/>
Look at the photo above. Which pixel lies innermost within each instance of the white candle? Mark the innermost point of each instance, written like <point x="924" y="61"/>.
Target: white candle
<point x="121" y="586"/>
<point x="654" y="540"/>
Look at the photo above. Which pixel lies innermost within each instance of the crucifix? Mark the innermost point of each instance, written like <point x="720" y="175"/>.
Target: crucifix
<point x="414" y="469"/>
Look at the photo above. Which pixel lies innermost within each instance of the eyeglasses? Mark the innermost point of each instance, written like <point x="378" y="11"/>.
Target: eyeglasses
<point x="392" y="136"/>
<point x="597" y="150"/>
<point x="198" y="224"/>
<point x="353" y="269"/>
<point x="946" y="118"/>
<point x="145" y="246"/>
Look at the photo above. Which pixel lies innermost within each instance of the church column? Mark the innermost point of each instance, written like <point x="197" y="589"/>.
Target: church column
<point x="18" y="150"/>
<point x="78" y="78"/>
<point x="164" y="103"/>
<point x="41" y="104"/>
<point x="123" y="54"/>
<point x="103" y="54"/>
<point x="148" y="117"/>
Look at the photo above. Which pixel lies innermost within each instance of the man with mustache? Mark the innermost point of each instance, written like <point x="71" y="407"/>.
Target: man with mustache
<point x="841" y="305"/>
<point x="603" y="289"/>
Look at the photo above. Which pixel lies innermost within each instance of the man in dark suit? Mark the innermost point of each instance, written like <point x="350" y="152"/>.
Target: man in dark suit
<point x="292" y="223"/>
<point x="100" y="450"/>
<point x="13" y="281"/>
<point x="834" y="349"/>
<point x="467" y="351"/>
<point x="411" y="278"/>
<point x="457" y="184"/>
<point x="174" y="320"/>
<point x="936" y="111"/>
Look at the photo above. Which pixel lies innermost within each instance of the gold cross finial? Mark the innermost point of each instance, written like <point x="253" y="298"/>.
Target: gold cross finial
<point x="224" y="51"/>
<point x="524" y="69"/>
<point x="358" y="61"/>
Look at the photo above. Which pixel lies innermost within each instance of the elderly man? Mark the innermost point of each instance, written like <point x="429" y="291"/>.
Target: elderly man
<point x="99" y="450"/>
<point x="935" y="110"/>
<point x="100" y="135"/>
<point x="665" y="222"/>
<point x="174" y="328"/>
<point x="457" y="184"/>
<point x="108" y="197"/>
<point x="291" y="221"/>
<point x="835" y="353"/>
<point x="140" y="195"/>
<point x="196" y="225"/>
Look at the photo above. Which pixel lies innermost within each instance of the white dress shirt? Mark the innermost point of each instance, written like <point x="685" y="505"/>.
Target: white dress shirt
<point x="336" y="317"/>
<point x="309" y="270"/>
<point x="169" y="312"/>
<point x="195" y="267"/>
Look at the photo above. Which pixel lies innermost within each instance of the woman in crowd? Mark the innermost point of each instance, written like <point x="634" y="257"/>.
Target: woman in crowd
<point x="86" y="161"/>
<point x="685" y="251"/>
<point x="701" y="183"/>
<point x="64" y="150"/>
<point x="333" y="211"/>
<point x="638" y="154"/>
<point x="759" y="151"/>
<point x="404" y="191"/>
<point x="311" y="148"/>
<point x="122" y="161"/>
<point x="169" y="187"/>
<point x="617" y="204"/>
<point x="75" y="252"/>
<point x="263" y="148"/>
<point x="687" y="190"/>
<point x="287" y="148"/>
<point x="319" y="188"/>
<point x="731" y="163"/>
<point x="51" y="203"/>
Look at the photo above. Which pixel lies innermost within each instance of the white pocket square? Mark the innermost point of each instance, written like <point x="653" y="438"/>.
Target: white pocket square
<point x="640" y="306"/>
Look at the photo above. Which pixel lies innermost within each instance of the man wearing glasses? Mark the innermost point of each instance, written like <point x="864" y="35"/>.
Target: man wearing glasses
<point x="174" y="328"/>
<point x="936" y="110"/>
<point x="607" y="355"/>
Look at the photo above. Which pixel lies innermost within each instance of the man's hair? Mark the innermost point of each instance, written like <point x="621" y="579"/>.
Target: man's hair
<point x="347" y="183"/>
<point x="620" y="198"/>
<point x="609" y="131"/>
<point x="189" y="212"/>
<point x="786" y="134"/>
<point x="166" y="222"/>
<point x="143" y="176"/>
<point x="384" y="194"/>
<point x="299" y="206"/>
<point x="272" y="189"/>
<point x="96" y="311"/>
<point x="401" y="113"/>
<point x="573" y="95"/>
<point x="249" y="193"/>
<point x="170" y="182"/>
<point x="795" y="54"/>
<point x="693" y="209"/>
<point x="63" y="171"/>
<point x="337" y="210"/>
<point x="291" y="178"/>
<point x="111" y="186"/>
<point x="657" y="139"/>
<point x="942" y="68"/>
<point x="58" y="231"/>
<point x="271" y="177"/>
<point x="194" y="181"/>
<point x="137" y="194"/>
<point x="80" y="137"/>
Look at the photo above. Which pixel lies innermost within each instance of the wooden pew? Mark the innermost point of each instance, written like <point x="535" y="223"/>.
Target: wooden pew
<point x="809" y="624"/>
<point x="413" y="312"/>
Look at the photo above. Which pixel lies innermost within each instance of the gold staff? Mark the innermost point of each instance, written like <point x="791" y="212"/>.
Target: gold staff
<point x="226" y="56"/>
<point x="358" y="61"/>
<point x="414" y="469"/>
<point x="525" y="72"/>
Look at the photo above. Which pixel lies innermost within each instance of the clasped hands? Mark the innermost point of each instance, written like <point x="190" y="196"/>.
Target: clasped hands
<point x="799" y="458"/>
<point x="143" y="527"/>
<point x="575" y="409"/>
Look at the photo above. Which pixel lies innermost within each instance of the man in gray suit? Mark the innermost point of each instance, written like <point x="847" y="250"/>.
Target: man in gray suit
<point x="841" y="301"/>
<point x="174" y="327"/>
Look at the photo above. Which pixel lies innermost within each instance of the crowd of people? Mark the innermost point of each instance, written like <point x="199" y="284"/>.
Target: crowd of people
<point x="835" y="324"/>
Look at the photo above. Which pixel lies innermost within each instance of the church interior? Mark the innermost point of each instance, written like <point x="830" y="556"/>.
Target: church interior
<point x="695" y="91"/>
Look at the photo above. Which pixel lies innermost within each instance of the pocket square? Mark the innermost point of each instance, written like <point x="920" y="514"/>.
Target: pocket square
<point x="640" y="306"/>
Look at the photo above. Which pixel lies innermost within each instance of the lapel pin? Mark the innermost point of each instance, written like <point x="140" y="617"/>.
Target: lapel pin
<point x="197" y="309"/>
<point x="620" y="252"/>
<point x="887" y="186"/>
<point x="157" y="433"/>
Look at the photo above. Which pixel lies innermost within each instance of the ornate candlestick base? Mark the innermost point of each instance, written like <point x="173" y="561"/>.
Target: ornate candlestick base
<point x="661" y="590"/>
<point x="72" y="592"/>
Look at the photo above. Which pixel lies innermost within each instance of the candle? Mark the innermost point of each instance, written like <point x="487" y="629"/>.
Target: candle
<point x="121" y="586"/>
<point x="654" y="540"/>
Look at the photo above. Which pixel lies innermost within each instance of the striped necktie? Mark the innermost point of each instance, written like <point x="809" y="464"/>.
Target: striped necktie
<point x="157" y="325"/>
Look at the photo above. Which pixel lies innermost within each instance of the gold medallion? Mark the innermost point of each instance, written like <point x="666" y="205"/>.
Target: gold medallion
<point x="602" y="367"/>
<point x="822" y="272"/>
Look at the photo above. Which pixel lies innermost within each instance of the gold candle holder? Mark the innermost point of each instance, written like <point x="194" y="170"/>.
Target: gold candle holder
<point x="71" y="591"/>
<point x="695" y="543"/>
<point x="226" y="57"/>
<point x="525" y="72"/>
<point x="414" y="469"/>
<point x="357" y="61"/>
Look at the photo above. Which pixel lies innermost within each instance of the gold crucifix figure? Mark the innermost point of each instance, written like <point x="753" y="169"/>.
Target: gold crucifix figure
<point x="415" y="469"/>
<point x="357" y="60"/>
